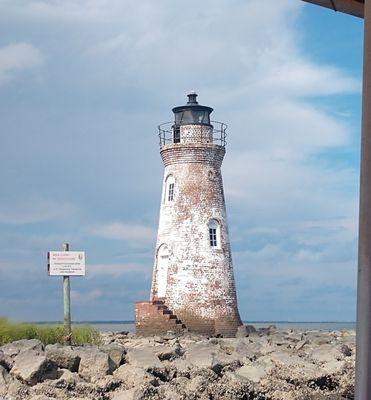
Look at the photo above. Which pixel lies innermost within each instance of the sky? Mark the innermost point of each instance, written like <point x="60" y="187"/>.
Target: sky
<point x="83" y="86"/>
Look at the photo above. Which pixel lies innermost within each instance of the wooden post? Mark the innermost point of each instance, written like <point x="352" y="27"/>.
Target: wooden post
<point x="363" y="349"/>
<point x="66" y="304"/>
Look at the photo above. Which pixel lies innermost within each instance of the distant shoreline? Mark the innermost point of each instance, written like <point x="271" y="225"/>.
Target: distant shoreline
<point x="245" y="322"/>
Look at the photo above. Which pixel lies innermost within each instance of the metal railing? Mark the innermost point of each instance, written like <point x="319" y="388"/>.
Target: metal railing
<point x="168" y="135"/>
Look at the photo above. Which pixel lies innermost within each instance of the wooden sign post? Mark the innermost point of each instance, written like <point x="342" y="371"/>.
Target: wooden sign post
<point x="66" y="263"/>
<point x="67" y="303"/>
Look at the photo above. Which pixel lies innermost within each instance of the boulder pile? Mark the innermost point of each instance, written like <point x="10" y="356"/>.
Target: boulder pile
<point x="265" y="364"/>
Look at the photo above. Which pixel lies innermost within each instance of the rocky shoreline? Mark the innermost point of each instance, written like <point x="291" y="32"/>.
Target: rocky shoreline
<point x="264" y="364"/>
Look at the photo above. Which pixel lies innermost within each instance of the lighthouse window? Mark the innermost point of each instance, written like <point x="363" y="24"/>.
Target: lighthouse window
<point x="171" y="192"/>
<point x="214" y="233"/>
<point x="213" y="240"/>
<point x="177" y="134"/>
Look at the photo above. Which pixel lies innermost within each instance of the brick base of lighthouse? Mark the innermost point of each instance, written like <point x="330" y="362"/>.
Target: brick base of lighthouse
<point x="155" y="317"/>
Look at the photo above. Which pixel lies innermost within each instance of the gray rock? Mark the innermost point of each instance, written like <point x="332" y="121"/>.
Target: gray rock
<point x="244" y="331"/>
<point x="3" y="360"/>
<point x="183" y="367"/>
<point x="116" y="352"/>
<point x="31" y="367"/>
<point x="125" y="395"/>
<point x="333" y="367"/>
<point x="94" y="364"/>
<point x="204" y="355"/>
<point x="133" y="376"/>
<point x="143" y="358"/>
<point x="317" y="338"/>
<point x="64" y="356"/>
<point x="65" y="378"/>
<point x="170" y="353"/>
<point x="256" y="371"/>
<point x="299" y="345"/>
<point x="345" y="350"/>
<point x="106" y="384"/>
<point x="17" y="389"/>
<point x="268" y="330"/>
<point x="278" y="338"/>
<point x="201" y="355"/>
<point x="4" y="380"/>
<point x="11" y="350"/>
<point x="326" y="353"/>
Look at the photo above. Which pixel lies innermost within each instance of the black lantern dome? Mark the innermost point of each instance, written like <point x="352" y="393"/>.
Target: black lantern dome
<point x="192" y="112"/>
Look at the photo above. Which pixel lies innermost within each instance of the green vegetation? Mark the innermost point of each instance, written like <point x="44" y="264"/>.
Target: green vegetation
<point x="48" y="334"/>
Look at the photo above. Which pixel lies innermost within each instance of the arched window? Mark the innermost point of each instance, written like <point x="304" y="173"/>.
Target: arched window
<point x="214" y="233"/>
<point x="169" y="189"/>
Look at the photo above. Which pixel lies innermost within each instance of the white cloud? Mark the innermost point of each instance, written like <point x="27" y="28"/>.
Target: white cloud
<point x="86" y="296"/>
<point x="116" y="270"/>
<point x="16" y="57"/>
<point x="134" y="234"/>
<point x="35" y="209"/>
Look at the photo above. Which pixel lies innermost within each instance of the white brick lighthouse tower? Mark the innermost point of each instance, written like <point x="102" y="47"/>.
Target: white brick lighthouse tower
<point x="193" y="284"/>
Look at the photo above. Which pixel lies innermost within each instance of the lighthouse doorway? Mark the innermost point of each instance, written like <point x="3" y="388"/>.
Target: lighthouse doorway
<point x="162" y="269"/>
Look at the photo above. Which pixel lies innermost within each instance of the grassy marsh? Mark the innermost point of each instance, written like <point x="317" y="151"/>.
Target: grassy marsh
<point x="48" y="334"/>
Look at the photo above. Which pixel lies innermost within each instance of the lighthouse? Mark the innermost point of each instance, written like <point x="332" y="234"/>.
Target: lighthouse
<point x="193" y="285"/>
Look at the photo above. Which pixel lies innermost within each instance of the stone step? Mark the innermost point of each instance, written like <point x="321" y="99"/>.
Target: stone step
<point x="157" y="317"/>
<point x="158" y="302"/>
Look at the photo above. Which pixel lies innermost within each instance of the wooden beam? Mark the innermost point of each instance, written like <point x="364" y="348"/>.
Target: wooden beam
<point x="352" y="7"/>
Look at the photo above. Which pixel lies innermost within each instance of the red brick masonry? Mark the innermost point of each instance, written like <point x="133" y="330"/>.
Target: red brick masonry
<point x="154" y="317"/>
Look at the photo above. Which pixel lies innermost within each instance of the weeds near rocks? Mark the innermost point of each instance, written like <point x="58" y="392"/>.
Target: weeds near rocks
<point x="48" y="334"/>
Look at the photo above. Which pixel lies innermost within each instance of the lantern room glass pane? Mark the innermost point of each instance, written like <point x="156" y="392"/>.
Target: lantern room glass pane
<point x="192" y="117"/>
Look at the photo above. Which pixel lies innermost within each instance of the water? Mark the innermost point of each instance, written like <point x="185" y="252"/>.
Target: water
<point x="118" y="326"/>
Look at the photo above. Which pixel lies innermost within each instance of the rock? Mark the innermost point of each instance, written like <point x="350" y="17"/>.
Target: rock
<point x="244" y="331"/>
<point x="64" y="356"/>
<point x="199" y="382"/>
<point x="66" y="377"/>
<point x="11" y="350"/>
<point x="116" y="352"/>
<point x="4" y="380"/>
<point x="3" y="361"/>
<point x="170" y="353"/>
<point x="94" y="364"/>
<point x="268" y="330"/>
<point x="106" y="384"/>
<point x="345" y="350"/>
<point x="31" y="367"/>
<point x="205" y="355"/>
<point x="201" y="355"/>
<point x="256" y="371"/>
<point x="183" y="367"/>
<point x="125" y="395"/>
<point x="333" y="367"/>
<point x="133" y="376"/>
<point x="245" y="348"/>
<point x="317" y="338"/>
<point x="301" y="344"/>
<point x="143" y="358"/>
<point x="278" y="338"/>
<point x="17" y="389"/>
<point x="325" y="353"/>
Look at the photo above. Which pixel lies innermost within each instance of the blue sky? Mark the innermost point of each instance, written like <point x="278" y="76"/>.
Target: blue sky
<point x="83" y="86"/>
